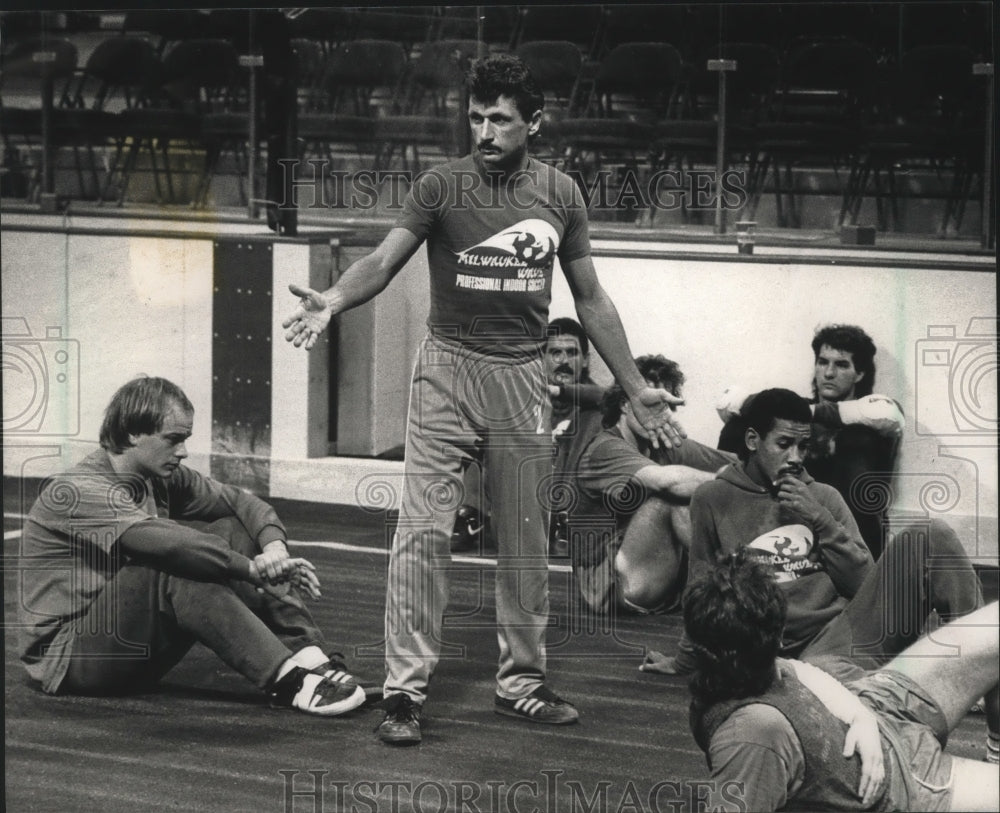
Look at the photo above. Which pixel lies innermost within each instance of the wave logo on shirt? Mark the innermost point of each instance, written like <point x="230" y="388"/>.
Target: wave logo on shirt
<point x="528" y="244"/>
<point x="786" y="550"/>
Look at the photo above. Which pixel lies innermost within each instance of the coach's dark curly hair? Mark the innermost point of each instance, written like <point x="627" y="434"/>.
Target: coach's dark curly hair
<point x="849" y="339"/>
<point x="659" y="371"/>
<point x="505" y="75"/>
<point x="734" y="615"/>
<point x="139" y="408"/>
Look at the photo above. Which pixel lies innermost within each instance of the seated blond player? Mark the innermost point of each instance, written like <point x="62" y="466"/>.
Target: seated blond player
<point x="793" y="737"/>
<point x="112" y="539"/>
<point x="630" y="529"/>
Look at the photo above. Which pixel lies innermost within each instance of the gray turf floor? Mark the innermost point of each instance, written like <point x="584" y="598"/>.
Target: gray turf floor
<point x="206" y="742"/>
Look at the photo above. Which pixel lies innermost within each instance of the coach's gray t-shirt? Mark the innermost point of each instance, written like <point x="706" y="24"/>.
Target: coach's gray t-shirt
<point x="491" y="243"/>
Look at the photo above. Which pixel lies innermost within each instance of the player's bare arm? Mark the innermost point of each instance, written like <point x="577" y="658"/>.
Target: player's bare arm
<point x="675" y="480"/>
<point x="599" y="317"/>
<point x="365" y="279"/>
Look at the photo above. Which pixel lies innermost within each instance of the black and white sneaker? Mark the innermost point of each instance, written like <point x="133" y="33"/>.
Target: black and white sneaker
<point x="541" y="706"/>
<point x="315" y="693"/>
<point x="401" y="724"/>
<point x="336" y="669"/>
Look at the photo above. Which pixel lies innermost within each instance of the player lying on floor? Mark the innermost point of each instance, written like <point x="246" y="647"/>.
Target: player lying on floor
<point x="794" y="737"/>
<point x="130" y="557"/>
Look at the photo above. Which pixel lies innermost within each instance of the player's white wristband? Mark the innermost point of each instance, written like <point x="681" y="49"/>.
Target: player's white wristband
<point x="731" y="402"/>
<point x="879" y="412"/>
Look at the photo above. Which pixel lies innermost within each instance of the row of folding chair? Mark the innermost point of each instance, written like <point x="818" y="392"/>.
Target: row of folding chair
<point x="889" y="29"/>
<point x="826" y="105"/>
<point x="642" y="106"/>
<point x="126" y="99"/>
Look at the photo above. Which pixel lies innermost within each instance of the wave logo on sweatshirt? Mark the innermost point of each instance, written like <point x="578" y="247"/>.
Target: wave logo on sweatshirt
<point x="528" y="244"/>
<point x="786" y="550"/>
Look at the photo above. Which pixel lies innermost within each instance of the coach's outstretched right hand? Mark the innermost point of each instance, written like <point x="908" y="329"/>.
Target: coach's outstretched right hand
<point x="309" y="319"/>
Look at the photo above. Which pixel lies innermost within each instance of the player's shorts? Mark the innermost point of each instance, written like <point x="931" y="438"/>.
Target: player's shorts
<point x="912" y="722"/>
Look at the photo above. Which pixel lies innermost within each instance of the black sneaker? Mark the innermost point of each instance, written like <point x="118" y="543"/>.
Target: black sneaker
<point x="401" y="724"/>
<point x="541" y="706"/>
<point x="315" y="693"/>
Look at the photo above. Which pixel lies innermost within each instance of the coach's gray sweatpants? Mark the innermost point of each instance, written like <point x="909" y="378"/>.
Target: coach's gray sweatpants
<point x="464" y="404"/>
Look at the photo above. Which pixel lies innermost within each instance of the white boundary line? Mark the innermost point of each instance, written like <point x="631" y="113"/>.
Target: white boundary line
<point x="343" y="546"/>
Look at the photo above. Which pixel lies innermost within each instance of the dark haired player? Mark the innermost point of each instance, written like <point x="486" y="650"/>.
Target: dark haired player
<point x="845" y="613"/>
<point x="576" y="418"/>
<point x="631" y="529"/>
<point x="795" y="738"/>
<point x="855" y="433"/>
<point x="112" y="539"/>
<point x="494" y="223"/>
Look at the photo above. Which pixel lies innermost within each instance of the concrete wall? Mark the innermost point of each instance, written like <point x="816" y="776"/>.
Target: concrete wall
<point x="117" y="307"/>
<point x="119" y="304"/>
<point x="752" y="324"/>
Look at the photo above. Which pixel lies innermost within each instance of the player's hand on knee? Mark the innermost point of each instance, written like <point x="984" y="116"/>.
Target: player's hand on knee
<point x="301" y="573"/>
<point x="309" y="319"/>
<point x="304" y="577"/>
<point x="653" y="408"/>
<point x="273" y="563"/>
<point x="865" y="740"/>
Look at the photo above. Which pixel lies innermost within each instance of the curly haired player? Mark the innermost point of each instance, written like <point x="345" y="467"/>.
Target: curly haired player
<point x="795" y="738"/>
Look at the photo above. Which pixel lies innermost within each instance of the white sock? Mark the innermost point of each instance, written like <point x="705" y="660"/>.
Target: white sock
<point x="310" y="657"/>
<point x="287" y="666"/>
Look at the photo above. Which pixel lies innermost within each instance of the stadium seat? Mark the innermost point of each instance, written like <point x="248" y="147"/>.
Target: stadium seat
<point x="665" y="22"/>
<point x="360" y="83"/>
<point x="199" y="81"/>
<point x="824" y="101"/>
<point x="557" y="66"/>
<point x="121" y="73"/>
<point x="619" y="125"/>
<point x="431" y="109"/>
<point x="36" y="81"/>
<point x="580" y="24"/>
<point x="934" y="120"/>
<point x="691" y="138"/>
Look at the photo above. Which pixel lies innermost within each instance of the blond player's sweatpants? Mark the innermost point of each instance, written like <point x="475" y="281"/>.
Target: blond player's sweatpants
<point x="464" y="404"/>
